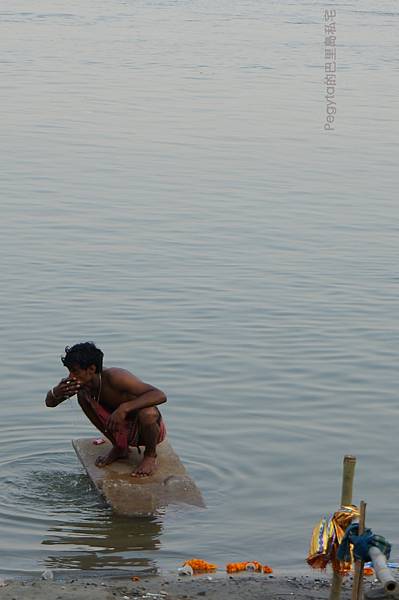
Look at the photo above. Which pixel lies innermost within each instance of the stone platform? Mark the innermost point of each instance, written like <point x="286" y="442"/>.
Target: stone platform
<point x="134" y="496"/>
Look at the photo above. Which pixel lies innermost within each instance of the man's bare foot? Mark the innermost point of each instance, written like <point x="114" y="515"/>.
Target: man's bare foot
<point x="111" y="457"/>
<point x="147" y="467"/>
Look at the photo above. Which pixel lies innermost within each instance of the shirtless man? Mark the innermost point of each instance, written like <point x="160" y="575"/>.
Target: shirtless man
<point x="120" y="405"/>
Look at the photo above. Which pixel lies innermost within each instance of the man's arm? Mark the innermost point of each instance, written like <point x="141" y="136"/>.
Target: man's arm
<point x="137" y="393"/>
<point x="52" y="401"/>
<point x="60" y="392"/>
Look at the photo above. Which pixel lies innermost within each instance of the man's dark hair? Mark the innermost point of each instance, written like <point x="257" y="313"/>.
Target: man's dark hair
<point x="83" y="355"/>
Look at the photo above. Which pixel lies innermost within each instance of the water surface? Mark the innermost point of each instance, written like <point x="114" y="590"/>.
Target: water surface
<point x="169" y="192"/>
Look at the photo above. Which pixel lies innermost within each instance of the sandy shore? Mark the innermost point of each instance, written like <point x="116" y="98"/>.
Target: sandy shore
<point x="223" y="587"/>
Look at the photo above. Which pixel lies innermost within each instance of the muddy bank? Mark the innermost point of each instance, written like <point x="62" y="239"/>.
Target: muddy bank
<point x="223" y="587"/>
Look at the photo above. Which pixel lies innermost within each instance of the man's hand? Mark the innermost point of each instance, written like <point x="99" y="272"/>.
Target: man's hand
<point x="116" y="419"/>
<point x="66" y="388"/>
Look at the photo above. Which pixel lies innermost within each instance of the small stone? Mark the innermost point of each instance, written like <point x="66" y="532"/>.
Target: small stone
<point x="47" y="575"/>
<point x="185" y="570"/>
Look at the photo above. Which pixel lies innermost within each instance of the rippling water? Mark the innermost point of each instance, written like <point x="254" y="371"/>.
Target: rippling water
<point x="168" y="191"/>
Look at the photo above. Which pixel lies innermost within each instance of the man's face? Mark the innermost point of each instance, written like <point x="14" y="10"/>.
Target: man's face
<point x="83" y="376"/>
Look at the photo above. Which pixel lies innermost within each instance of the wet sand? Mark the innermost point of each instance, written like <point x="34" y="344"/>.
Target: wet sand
<point x="219" y="587"/>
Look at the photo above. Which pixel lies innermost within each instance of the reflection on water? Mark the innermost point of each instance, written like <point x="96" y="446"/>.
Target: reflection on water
<point x="81" y="528"/>
<point x="89" y="561"/>
<point x="104" y="542"/>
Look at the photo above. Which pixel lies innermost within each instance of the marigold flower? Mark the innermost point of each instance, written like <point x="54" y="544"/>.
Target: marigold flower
<point x="200" y="565"/>
<point x="267" y="569"/>
<point x="253" y="565"/>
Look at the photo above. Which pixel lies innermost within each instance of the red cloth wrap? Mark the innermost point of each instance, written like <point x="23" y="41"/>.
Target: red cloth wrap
<point x="128" y="434"/>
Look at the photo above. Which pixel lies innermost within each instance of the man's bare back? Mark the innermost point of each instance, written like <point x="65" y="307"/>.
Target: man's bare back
<point x="118" y="403"/>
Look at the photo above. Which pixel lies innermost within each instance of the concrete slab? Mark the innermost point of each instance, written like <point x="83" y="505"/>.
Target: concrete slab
<point x="132" y="496"/>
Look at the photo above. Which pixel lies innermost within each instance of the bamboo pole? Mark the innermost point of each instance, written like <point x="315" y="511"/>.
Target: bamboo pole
<point x="357" y="586"/>
<point x="346" y="499"/>
<point x="382" y="571"/>
<point x="347" y="479"/>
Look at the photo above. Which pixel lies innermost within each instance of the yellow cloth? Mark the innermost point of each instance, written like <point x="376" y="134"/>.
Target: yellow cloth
<point x="327" y="536"/>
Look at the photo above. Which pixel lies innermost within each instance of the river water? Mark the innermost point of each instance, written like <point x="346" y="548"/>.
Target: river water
<point x="170" y="192"/>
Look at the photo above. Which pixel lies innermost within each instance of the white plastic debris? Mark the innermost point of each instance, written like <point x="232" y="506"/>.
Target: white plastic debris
<point x="3" y="582"/>
<point x="48" y="575"/>
<point x="186" y="570"/>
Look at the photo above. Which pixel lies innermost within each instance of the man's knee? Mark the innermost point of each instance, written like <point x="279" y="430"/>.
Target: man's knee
<point x="148" y="416"/>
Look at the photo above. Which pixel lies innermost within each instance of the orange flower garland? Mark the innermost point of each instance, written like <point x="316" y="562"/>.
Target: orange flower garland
<point x="199" y="565"/>
<point x="242" y="566"/>
<point x="267" y="569"/>
<point x="202" y="566"/>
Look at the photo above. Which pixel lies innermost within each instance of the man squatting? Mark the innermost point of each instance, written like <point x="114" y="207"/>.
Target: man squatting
<point x="118" y="403"/>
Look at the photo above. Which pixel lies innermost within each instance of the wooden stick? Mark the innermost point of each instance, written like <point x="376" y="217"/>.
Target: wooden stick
<point x="346" y="499"/>
<point x="362" y="527"/>
<point x="357" y="587"/>
<point x="347" y="479"/>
